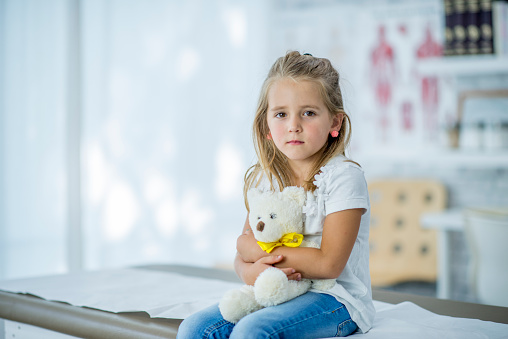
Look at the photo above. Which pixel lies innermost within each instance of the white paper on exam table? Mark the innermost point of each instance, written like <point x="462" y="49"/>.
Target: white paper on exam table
<point x="172" y="295"/>
<point x="160" y="294"/>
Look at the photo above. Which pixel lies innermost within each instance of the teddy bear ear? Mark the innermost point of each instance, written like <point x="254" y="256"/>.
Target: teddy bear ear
<point x="253" y="194"/>
<point x="295" y="193"/>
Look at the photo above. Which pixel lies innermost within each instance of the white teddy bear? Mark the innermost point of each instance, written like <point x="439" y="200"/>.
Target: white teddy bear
<point x="276" y="219"/>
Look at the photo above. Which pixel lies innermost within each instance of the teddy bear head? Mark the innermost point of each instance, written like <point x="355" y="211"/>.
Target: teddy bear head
<point x="274" y="214"/>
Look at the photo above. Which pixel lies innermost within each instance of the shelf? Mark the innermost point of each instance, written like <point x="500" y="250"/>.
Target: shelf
<point x="438" y="158"/>
<point x="464" y="65"/>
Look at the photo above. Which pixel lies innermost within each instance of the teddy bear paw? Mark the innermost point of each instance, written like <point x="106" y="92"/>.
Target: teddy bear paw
<point x="270" y="287"/>
<point x="236" y="304"/>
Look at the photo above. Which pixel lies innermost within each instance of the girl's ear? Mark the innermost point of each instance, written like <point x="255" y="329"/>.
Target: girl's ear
<point x="337" y="122"/>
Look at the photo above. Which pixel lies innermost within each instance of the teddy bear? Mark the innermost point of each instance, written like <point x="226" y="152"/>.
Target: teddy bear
<point x="276" y="219"/>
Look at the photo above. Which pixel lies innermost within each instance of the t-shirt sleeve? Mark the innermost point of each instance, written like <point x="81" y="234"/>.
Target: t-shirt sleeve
<point x="346" y="189"/>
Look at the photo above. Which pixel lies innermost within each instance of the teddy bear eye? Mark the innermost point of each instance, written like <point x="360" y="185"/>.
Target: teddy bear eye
<point x="259" y="218"/>
<point x="273" y="216"/>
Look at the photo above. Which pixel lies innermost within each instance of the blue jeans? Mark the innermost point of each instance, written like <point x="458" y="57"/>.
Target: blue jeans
<point x="311" y="315"/>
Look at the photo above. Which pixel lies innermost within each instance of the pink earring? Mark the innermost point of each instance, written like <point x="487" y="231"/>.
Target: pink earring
<point x="269" y="136"/>
<point x="334" y="134"/>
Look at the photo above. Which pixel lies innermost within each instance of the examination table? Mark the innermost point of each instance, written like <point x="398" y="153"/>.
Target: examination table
<point x="34" y="303"/>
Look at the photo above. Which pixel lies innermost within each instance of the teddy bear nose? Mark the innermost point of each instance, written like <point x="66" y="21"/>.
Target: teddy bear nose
<point x="260" y="226"/>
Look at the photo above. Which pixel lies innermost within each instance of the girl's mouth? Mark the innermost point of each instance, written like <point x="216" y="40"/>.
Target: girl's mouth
<point x="295" y="142"/>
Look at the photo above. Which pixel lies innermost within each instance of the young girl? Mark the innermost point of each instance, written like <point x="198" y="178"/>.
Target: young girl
<point x="300" y="139"/>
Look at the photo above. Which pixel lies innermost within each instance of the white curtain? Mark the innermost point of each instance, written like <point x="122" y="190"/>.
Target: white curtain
<point x="33" y="111"/>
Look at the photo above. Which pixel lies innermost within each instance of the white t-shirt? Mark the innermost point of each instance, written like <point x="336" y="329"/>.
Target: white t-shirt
<point x="341" y="186"/>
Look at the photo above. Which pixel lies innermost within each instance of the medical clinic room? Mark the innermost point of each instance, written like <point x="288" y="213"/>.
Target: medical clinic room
<point x="253" y="169"/>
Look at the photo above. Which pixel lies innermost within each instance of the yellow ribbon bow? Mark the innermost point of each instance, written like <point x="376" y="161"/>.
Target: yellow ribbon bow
<point x="290" y="240"/>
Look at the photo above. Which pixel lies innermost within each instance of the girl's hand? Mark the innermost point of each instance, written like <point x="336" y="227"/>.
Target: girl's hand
<point x="248" y="248"/>
<point x="254" y="270"/>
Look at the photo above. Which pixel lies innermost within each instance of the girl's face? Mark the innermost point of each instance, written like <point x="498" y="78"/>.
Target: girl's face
<point x="298" y="120"/>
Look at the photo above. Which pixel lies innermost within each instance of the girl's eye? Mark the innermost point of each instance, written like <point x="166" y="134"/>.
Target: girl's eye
<point x="280" y="115"/>
<point x="309" y="113"/>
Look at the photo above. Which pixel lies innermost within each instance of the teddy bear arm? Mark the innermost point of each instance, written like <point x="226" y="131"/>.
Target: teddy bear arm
<point x="323" y="284"/>
<point x="308" y="243"/>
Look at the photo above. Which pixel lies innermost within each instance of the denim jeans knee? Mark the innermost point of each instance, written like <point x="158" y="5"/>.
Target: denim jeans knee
<point x="207" y="323"/>
<point x="346" y="328"/>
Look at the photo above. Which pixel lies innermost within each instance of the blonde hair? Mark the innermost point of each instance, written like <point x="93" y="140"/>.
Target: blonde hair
<point x="272" y="162"/>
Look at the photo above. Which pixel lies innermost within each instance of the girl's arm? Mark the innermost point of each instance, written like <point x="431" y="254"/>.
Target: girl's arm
<point x="340" y="230"/>
<point x="249" y="271"/>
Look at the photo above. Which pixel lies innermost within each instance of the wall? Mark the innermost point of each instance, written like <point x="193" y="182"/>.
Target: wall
<point x="400" y="125"/>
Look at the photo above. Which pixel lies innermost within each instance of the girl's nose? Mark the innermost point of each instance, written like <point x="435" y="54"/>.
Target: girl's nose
<point x="294" y="125"/>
